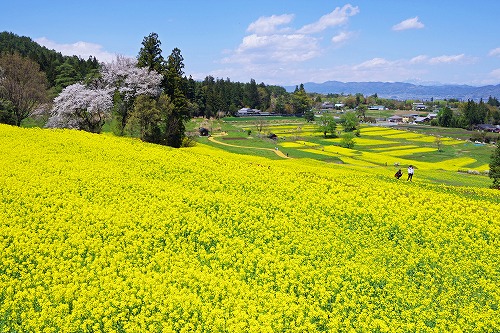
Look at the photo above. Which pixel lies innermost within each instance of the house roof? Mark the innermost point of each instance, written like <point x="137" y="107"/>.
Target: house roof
<point x="421" y="119"/>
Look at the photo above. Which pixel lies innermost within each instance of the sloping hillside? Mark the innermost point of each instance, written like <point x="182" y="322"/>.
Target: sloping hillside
<point x="100" y="233"/>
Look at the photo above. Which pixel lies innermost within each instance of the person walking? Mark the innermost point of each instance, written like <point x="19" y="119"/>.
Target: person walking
<point x="410" y="173"/>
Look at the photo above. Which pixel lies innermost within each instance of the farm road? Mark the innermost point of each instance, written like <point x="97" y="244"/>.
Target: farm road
<point x="277" y="152"/>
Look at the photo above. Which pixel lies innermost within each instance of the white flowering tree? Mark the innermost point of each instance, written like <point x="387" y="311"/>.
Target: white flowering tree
<point x="87" y="107"/>
<point x="80" y="107"/>
<point x="129" y="81"/>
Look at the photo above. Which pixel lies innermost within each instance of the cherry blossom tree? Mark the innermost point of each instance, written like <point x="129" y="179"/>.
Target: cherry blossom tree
<point x="80" y="107"/>
<point x="129" y="81"/>
<point x="87" y="107"/>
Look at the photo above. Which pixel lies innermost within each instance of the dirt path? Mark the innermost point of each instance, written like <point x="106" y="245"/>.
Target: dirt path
<point x="213" y="139"/>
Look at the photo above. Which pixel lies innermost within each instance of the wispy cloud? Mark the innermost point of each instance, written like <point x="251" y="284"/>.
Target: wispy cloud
<point x="446" y="59"/>
<point x="495" y="74"/>
<point x="419" y="59"/>
<point x="268" y="25"/>
<point x="337" y="17"/>
<point x="81" y="49"/>
<point x="342" y="37"/>
<point x="495" y="52"/>
<point x="374" y="63"/>
<point x="411" y="23"/>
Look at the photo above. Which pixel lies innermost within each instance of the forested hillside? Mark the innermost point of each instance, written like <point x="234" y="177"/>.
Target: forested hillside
<point x="211" y="97"/>
<point x="61" y="70"/>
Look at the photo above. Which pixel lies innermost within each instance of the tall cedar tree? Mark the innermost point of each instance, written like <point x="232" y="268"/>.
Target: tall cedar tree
<point x="301" y="103"/>
<point x="252" y="95"/>
<point x="150" y="54"/>
<point x="23" y="84"/>
<point x="175" y="88"/>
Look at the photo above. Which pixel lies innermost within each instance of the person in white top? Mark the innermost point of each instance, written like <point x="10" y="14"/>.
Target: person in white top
<point x="410" y="173"/>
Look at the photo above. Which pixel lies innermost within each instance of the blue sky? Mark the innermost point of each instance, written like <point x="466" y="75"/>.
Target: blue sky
<point x="281" y="42"/>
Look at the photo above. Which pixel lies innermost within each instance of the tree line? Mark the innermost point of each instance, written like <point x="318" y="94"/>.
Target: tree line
<point x="470" y="114"/>
<point x="45" y="74"/>
<point x="73" y="89"/>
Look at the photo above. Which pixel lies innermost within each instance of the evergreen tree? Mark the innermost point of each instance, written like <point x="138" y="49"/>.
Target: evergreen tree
<point x="252" y="95"/>
<point x="150" y="54"/>
<point x="301" y="102"/>
<point x="493" y="101"/>
<point x="175" y="89"/>
<point x="264" y="97"/>
<point x="474" y="113"/>
<point x="495" y="167"/>
<point x="66" y="76"/>
<point x="482" y="112"/>
<point x="445" y="117"/>
<point x="279" y="105"/>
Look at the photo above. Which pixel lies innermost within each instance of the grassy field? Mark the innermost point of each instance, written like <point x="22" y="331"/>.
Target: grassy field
<point x="452" y="160"/>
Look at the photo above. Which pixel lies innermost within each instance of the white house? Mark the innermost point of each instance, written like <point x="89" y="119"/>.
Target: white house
<point x="377" y="107"/>
<point x="248" y="112"/>
<point x="419" y="106"/>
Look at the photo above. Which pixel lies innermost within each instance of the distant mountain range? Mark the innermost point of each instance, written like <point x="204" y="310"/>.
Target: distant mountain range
<point x="403" y="91"/>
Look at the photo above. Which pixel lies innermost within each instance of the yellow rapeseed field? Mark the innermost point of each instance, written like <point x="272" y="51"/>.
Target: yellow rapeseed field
<point x="106" y="234"/>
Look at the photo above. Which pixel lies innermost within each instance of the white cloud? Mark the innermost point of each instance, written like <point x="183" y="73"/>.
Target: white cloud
<point x="275" y="48"/>
<point x="419" y="59"/>
<point x="411" y="23"/>
<point x="495" y="74"/>
<point x="337" y="17"/>
<point x="342" y="37"/>
<point x="374" y="63"/>
<point x="82" y="49"/>
<point x="495" y="52"/>
<point x="446" y="59"/>
<point x="271" y="40"/>
<point x="267" y="25"/>
<point x="272" y="47"/>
